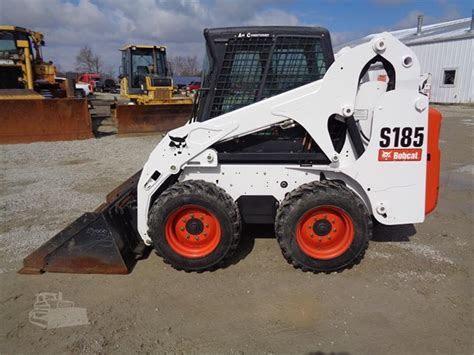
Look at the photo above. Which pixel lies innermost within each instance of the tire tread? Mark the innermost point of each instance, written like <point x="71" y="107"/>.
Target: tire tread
<point x="292" y="198"/>
<point x="201" y="187"/>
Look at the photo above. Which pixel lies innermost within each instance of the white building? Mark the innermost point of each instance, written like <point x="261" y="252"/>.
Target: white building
<point x="446" y="51"/>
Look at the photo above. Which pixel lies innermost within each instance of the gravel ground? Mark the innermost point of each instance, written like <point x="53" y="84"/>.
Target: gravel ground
<point x="45" y="184"/>
<point x="413" y="292"/>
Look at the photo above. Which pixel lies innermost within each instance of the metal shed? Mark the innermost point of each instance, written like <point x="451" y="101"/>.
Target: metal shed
<point x="446" y="51"/>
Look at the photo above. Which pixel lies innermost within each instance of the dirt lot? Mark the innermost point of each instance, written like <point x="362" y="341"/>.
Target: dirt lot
<point x="413" y="292"/>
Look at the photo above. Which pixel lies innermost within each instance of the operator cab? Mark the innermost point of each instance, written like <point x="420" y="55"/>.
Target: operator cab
<point x="140" y="62"/>
<point x="12" y="72"/>
<point x="244" y="65"/>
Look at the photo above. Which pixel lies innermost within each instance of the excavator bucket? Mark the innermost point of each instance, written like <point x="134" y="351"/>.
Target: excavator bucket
<point x="133" y="119"/>
<point x="26" y="120"/>
<point x="105" y="241"/>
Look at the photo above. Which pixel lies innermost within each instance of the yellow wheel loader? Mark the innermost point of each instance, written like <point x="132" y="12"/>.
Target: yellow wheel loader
<point x="146" y="81"/>
<point x="36" y="105"/>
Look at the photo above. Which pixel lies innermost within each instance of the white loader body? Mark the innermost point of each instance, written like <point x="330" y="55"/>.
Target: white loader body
<point x="390" y="175"/>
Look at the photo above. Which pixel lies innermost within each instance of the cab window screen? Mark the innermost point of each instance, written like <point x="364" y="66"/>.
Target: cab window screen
<point x="245" y="74"/>
<point x="248" y="74"/>
<point x="242" y="71"/>
<point x="295" y="62"/>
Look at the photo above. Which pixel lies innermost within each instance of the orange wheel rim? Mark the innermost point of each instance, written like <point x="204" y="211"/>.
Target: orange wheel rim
<point x="192" y="231"/>
<point x="325" y="232"/>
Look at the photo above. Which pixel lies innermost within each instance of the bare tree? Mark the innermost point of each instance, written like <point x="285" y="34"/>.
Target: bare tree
<point x="108" y="72"/>
<point x="88" y="61"/>
<point x="185" y="65"/>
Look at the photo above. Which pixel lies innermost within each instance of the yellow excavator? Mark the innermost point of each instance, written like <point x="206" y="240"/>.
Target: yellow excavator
<point x="36" y="105"/>
<point x="146" y="80"/>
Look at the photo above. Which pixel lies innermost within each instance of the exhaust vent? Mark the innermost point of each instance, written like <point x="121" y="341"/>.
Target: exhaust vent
<point x="419" y="25"/>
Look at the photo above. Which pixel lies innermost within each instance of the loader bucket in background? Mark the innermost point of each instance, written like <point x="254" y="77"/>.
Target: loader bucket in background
<point x="32" y="120"/>
<point x="133" y="119"/>
<point x="105" y="241"/>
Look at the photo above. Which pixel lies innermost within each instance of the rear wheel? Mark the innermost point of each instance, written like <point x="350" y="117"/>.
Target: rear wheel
<point x="323" y="227"/>
<point x="195" y="226"/>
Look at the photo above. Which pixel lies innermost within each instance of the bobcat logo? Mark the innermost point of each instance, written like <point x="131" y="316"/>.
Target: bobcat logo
<point x="400" y="154"/>
<point x="386" y="155"/>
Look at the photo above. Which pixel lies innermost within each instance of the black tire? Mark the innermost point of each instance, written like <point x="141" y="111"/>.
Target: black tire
<point x="209" y="197"/>
<point x="80" y="93"/>
<point x="309" y="197"/>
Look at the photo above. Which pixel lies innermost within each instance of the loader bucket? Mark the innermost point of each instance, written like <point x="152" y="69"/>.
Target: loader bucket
<point x="33" y="120"/>
<point x="105" y="241"/>
<point x="133" y="119"/>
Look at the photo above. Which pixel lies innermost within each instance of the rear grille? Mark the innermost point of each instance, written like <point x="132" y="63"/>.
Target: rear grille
<point x="9" y="76"/>
<point x="258" y="67"/>
<point x="162" y="94"/>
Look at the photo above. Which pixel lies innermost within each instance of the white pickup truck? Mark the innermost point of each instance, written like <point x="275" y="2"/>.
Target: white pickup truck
<point x="84" y="86"/>
<point x="80" y="87"/>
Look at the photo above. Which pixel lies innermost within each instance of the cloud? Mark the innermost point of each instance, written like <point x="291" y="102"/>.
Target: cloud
<point x="339" y="38"/>
<point x="411" y="18"/>
<point x="108" y="25"/>
<point x="272" y="17"/>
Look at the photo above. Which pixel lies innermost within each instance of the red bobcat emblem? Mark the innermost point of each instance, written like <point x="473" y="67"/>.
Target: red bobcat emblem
<point x="386" y="155"/>
<point x="400" y="154"/>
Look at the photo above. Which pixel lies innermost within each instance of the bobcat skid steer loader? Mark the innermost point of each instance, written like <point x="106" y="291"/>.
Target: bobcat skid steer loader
<point x="285" y="134"/>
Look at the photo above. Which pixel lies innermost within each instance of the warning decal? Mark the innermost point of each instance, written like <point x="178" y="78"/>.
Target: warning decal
<point x="400" y="154"/>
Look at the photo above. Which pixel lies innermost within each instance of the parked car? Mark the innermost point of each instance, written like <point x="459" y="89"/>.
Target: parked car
<point x="193" y="86"/>
<point x="87" y="88"/>
<point x="107" y="85"/>
<point x="89" y="78"/>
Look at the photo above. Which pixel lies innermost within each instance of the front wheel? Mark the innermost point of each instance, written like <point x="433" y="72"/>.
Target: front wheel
<point x="323" y="227"/>
<point x="195" y="226"/>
